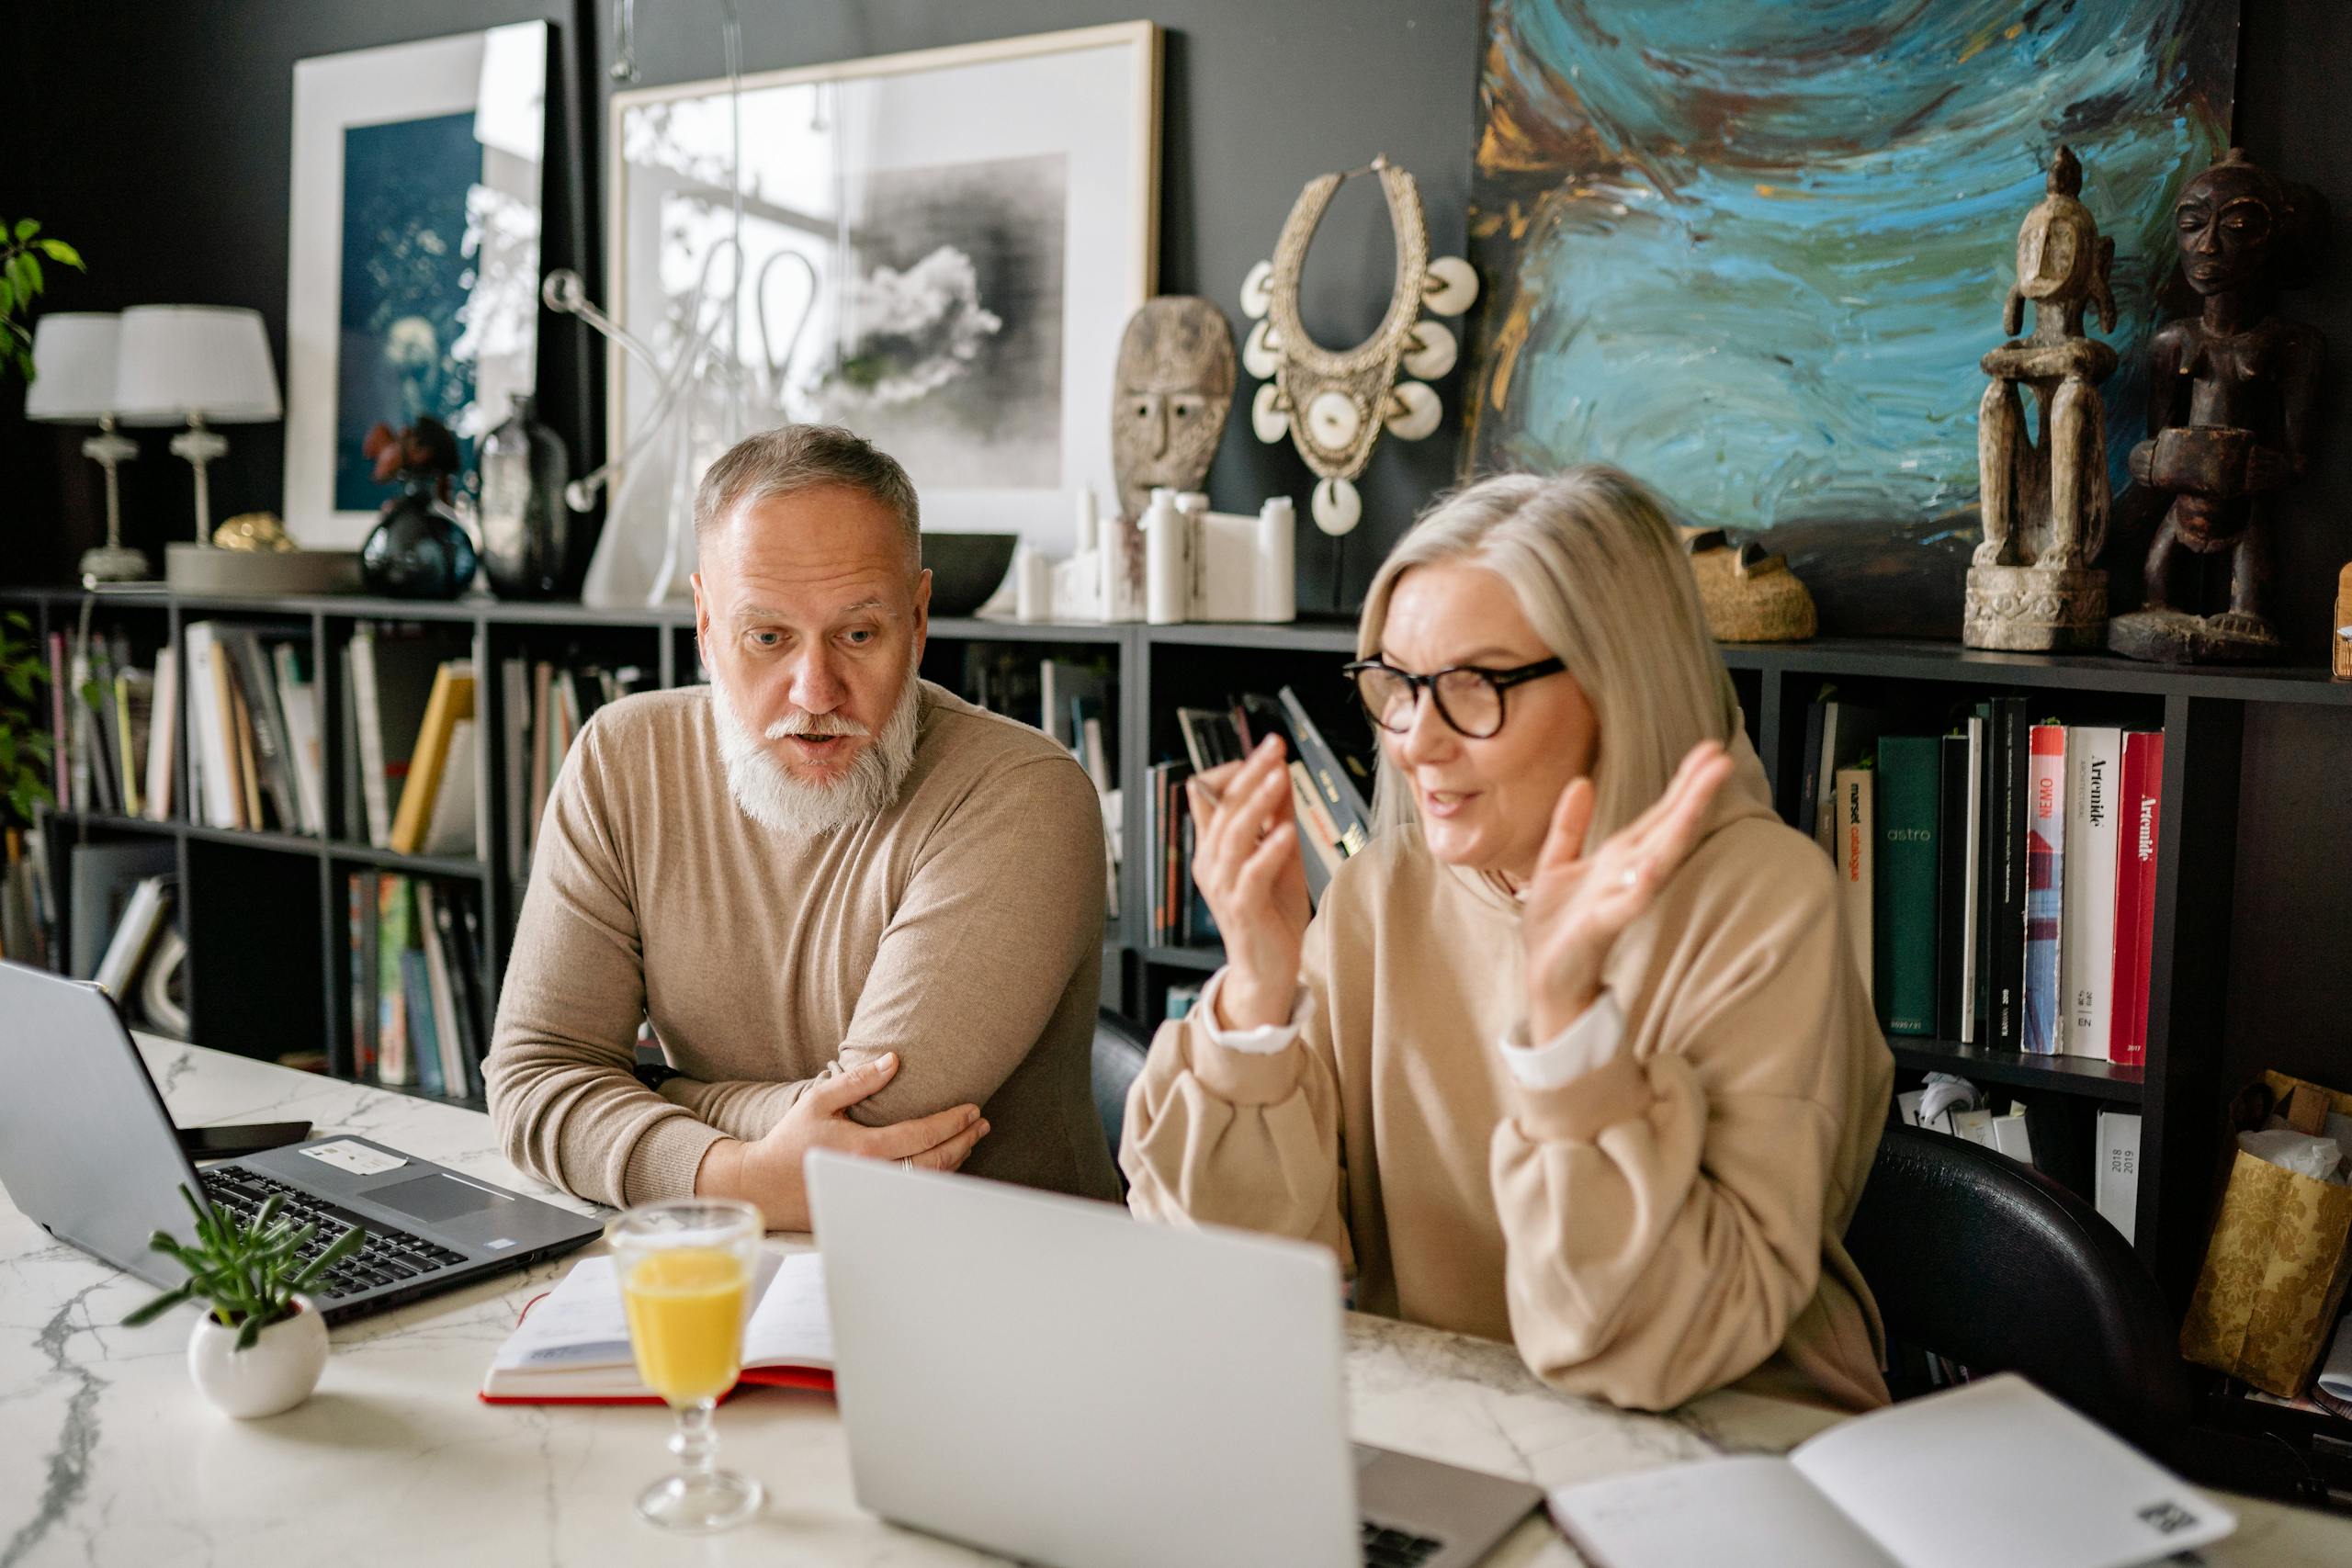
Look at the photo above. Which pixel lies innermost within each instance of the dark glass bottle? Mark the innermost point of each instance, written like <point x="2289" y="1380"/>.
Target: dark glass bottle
<point x="419" y="549"/>
<point x="527" y="531"/>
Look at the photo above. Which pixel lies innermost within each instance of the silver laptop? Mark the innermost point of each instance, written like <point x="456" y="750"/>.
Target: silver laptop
<point x="88" y="1151"/>
<point x="1045" y="1378"/>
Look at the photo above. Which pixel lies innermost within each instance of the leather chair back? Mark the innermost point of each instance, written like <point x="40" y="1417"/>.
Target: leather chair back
<point x="1989" y="1263"/>
<point x="1119" y="1049"/>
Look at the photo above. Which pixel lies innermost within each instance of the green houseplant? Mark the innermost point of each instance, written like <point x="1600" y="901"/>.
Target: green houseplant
<point x="23" y="740"/>
<point x="26" y="750"/>
<point x="261" y="1347"/>
<point x="22" y="278"/>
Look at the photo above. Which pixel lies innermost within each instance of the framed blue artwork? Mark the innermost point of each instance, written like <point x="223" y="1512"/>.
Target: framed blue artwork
<point x="1753" y="253"/>
<point x="413" y="263"/>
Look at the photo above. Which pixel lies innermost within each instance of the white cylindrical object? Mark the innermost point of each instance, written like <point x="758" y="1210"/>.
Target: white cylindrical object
<point x="1167" y="566"/>
<point x="1122" y="558"/>
<point x="1088" y="520"/>
<point x="1278" y="560"/>
<point x="1033" y="585"/>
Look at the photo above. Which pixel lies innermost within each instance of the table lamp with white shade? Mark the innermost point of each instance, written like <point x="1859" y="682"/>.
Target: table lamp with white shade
<point x="73" y="365"/>
<point x="205" y="364"/>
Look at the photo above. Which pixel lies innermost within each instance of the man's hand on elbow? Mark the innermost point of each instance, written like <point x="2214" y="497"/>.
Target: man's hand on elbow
<point x="767" y="1171"/>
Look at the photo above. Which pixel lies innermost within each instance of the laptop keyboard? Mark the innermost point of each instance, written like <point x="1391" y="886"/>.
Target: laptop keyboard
<point x="1396" y="1549"/>
<point x="386" y="1257"/>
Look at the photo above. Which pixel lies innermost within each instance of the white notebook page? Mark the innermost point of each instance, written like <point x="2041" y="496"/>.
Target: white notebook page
<point x="1756" y="1512"/>
<point x="1999" y="1472"/>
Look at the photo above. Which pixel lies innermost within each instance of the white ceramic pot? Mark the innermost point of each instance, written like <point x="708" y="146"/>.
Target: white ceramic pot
<point x="276" y="1372"/>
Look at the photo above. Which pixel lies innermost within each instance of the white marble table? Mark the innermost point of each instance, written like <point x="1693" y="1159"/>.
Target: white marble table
<point x="107" y="1456"/>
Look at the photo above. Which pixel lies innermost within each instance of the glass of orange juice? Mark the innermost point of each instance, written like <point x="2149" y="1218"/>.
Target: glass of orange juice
<point x="685" y="1266"/>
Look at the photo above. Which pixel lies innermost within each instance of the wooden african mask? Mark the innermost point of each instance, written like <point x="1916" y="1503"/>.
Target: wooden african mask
<point x="1174" y="390"/>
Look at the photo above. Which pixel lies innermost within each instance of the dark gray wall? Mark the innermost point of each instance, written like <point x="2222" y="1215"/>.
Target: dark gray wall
<point x="160" y="147"/>
<point x="154" y="137"/>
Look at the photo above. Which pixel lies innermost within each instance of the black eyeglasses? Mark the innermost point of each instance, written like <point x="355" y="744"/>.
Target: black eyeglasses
<point x="1468" y="698"/>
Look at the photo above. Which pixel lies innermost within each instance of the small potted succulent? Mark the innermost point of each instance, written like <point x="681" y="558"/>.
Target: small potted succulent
<point x="261" y="1347"/>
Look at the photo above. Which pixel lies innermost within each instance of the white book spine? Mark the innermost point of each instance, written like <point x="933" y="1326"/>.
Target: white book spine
<point x="373" y="792"/>
<point x="220" y="806"/>
<point x="299" y="701"/>
<point x="2087" y="950"/>
<point x="163" y="729"/>
<point x="2116" y="1185"/>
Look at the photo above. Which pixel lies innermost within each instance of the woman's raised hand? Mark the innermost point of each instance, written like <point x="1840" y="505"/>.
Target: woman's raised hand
<point x="1246" y="864"/>
<point x="1578" y="903"/>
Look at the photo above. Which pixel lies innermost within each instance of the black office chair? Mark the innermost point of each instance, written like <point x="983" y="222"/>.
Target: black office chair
<point x="1990" y="1264"/>
<point x="1119" y="1049"/>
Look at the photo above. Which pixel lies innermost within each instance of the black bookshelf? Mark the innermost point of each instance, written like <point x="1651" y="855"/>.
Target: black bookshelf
<point x="2180" y="1092"/>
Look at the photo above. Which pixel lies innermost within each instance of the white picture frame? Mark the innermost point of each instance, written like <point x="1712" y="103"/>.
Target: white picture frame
<point x="993" y="134"/>
<point x="499" y="77"/>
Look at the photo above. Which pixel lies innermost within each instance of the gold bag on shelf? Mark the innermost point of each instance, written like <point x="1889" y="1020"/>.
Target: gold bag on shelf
<point x="2267" y="1298"/>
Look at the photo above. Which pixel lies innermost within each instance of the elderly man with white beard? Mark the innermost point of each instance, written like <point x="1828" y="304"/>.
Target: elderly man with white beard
<point x="858" y="912"/>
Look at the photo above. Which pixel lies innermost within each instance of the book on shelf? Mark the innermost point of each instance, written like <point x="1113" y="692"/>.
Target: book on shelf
<point x="1337" y="784"/>
<point x="270" y="766"/>
<point x="61" y="756"/>
<point x="395" y="1064"/>
<point x="1909" y="830"/>
<point x="297" y="699"/>
<point x="1857" y="799"/>
<point x="1847" y="736"/>
<point x="419" y="988"/>
<point x="135" y="709"/>
<point x="572" y="1344"/>
<point x="134" y="934"/>
<point x="27" y="927"/>
<point x="2007" y="766"/>
<point x="1956" y="857"/>
<point x="104" y="880"/>
<point x="393" y="671"/>
<point x="450" y="702"/>
<point x="2115" y="1184"/>
<point x="2045" y="1012"/>
<point x="163" y="737"/>
<point x="2087" y="943"/>
<point x="453" y="826"/>
<point x="2141" y="806"/>
<point x="2035" y="1484"/>
<point x="547" y="702"/>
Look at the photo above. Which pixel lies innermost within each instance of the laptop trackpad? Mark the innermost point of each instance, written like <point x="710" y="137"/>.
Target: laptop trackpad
<point x="435" y="1197"/>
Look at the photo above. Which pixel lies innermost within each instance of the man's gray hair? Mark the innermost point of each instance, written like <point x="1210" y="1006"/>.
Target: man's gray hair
<point x="794" y="458"/>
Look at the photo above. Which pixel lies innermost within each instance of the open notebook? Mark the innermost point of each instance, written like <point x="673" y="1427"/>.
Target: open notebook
<point x="572" y="1344"/>
<point x="1994" y="1472"/>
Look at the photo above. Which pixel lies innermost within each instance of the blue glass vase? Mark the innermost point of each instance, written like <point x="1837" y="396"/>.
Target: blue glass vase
<point x="419" y="549"/>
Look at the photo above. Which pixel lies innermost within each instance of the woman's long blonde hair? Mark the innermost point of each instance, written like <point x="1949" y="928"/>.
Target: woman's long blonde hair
<point x="1602" y="576"/>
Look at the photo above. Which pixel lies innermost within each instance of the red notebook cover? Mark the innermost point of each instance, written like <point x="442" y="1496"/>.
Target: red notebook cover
<point x="809" y="1378"/>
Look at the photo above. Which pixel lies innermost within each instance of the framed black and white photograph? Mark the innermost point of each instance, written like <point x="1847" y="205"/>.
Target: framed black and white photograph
<point x="413" y="261"/>
<point x="938" y="249"/>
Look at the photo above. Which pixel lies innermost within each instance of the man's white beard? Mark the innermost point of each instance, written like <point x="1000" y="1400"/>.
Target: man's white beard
<point x="770" y="796"/>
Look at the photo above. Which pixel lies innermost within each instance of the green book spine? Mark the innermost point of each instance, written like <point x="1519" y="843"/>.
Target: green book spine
<point x="1909" y="833"/>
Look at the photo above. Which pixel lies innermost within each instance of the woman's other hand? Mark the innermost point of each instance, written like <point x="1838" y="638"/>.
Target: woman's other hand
<point x="1580" y="902"/>
<point x="1246" y="864"/>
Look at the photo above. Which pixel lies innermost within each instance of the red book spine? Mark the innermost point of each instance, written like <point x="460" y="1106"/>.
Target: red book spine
<point x="2135" y="894"/>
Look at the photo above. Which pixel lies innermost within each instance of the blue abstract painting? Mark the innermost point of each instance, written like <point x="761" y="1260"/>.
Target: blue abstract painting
<point x="406" y="278"/>
<point x="1753" y="252"/>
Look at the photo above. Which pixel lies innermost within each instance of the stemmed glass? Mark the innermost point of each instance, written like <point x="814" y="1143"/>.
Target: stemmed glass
<point x="685" y="1266"/>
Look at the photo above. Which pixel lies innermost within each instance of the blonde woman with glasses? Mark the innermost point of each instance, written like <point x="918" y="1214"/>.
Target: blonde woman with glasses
<point x="1574" y="1055"/>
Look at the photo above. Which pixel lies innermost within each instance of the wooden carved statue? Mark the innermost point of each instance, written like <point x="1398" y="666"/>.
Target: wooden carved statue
<point x="2230" y="395"/>
<point x="1175" y="388"/>
<point x="2030" y="584"/>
